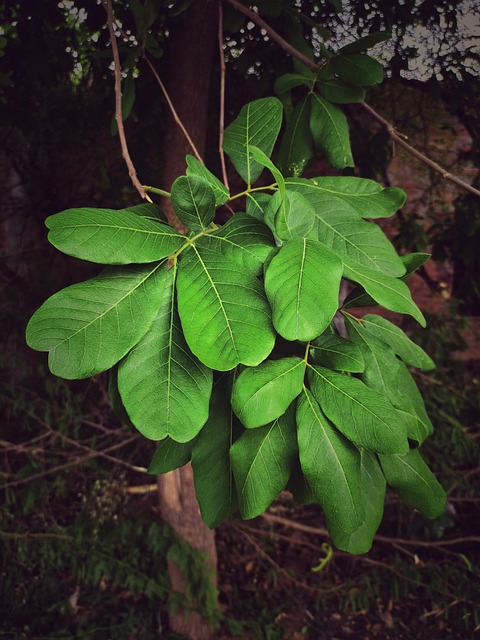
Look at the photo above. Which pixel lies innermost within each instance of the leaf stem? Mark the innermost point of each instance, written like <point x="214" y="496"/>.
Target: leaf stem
<point x="160" y="192"/>
<point x="250" y="190"/>
<point x="349" y="315"/>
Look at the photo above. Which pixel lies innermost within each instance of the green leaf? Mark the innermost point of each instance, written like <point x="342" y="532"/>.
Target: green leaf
<point x="193" y="200"/>
<point x="373" y="486"/>
<point x="329" y="128"/>
<point x="348" y="195"/>
<point x="407" y="389"/>
<point x="302" y="284"/>
<point x="364" y="416"/>
<point x="398" y="340"/>
<point x="195" y="167"/>
<point x="335" y="90"/>
<point x="293" y="215"/>
<point x="259" y="156"/>
<point x="334" y="352"/>
<point x="170" y="455"/>
<point x="88" y="327"/>
<point x="115" y="400"/>
<point x="149" y="210"/>
<point x="329" y="460"/>
<point x="287" y="82"/>
<point x="243" y="239"/>
<point x="261" y="460"/>
<point x="414" y="261"/>
<point x="358" y="69"/>
<point x="391" y="293"/>
<point x="416" y="485"/>
<point x="256" y="204"/>
<point x="296" y="148"/>
<point x="164" y="388"/>
<point x="213" y="474"/>
<point x="257" y="124"/>
<point x="112" y="237"/>
<point x="362" y="44"/>
<point x="263" y="393"/>
<point x="225" y="315"/>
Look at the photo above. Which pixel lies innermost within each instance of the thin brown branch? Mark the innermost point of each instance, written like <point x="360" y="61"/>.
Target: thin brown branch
<point x="176" y="117"/>
<point x="118" y="104"/>
<point x="276" y="37"/>
<point x="221" y="127"/>
<point x="400" y="139"/>
<point x="68" y="465"/>
<point x="313" y="66"/>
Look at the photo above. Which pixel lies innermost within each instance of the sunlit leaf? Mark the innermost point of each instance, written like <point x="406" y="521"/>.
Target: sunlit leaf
<point x="334" y="352"/>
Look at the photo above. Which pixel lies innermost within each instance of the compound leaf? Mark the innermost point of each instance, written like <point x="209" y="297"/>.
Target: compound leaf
<point x="90" y="326"/>
<point x="262" y="394"/>
<point x="302" y="283"/>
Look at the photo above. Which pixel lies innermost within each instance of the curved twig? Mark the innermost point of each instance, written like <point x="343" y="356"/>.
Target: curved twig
<point x="221" y="128"/>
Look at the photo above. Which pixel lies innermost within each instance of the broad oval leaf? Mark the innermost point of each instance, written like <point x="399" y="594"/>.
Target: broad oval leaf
<point x="296" y="147"/>
<point x="366" y="42"/>
<point x="212" y="468"/>
<point x="329" y="128"/>
<point x="294" y="217"/>
<point x="335" y="90"/>
<point x="262" y="394"/>
<point x="256" y="204"/>
<point x="224" y="312"/>
<point x="195" y="167"/>
<point x="287" y="82"/>
<point x="258" y="125"/>
<point x="170" y="455"/>
<point x="302" y="283"/>
<point x="261" y="460"/>
<point x="164" y="388"/>
<point x="358" y="69"/>
<point x="363" y="415"/>
<point x="88" y="327"/>
<point x="329" y="460"/>
<point x="348" y="194"/>
<point x="373" y="488"/>
<point x="243" y="239"/>
<point x="398" y="340"/>
<point x="416" y="485"/>
<point x="391" y="293"/>
<point x="193" y="200"/>
<point x="112" y="237"/>
<point x="334" y="352"/>
<point x="407" y="388"/>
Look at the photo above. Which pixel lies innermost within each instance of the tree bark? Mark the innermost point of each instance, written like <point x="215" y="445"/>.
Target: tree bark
<point x="190" y="60"/>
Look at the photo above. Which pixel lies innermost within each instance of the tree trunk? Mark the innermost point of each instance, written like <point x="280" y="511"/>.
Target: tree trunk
<point x="190" y="63"/>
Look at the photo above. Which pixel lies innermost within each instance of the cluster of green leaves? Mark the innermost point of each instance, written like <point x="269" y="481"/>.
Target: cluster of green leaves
<point x="222" y="344"/>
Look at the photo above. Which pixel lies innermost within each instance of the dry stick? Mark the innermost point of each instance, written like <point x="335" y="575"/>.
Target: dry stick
<point x="172" y="109"/>
<point x="394" y="134"/>
<point x="67" y="465"/>
<point x="222" y="95"/>
<point x="118" y="105"/>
